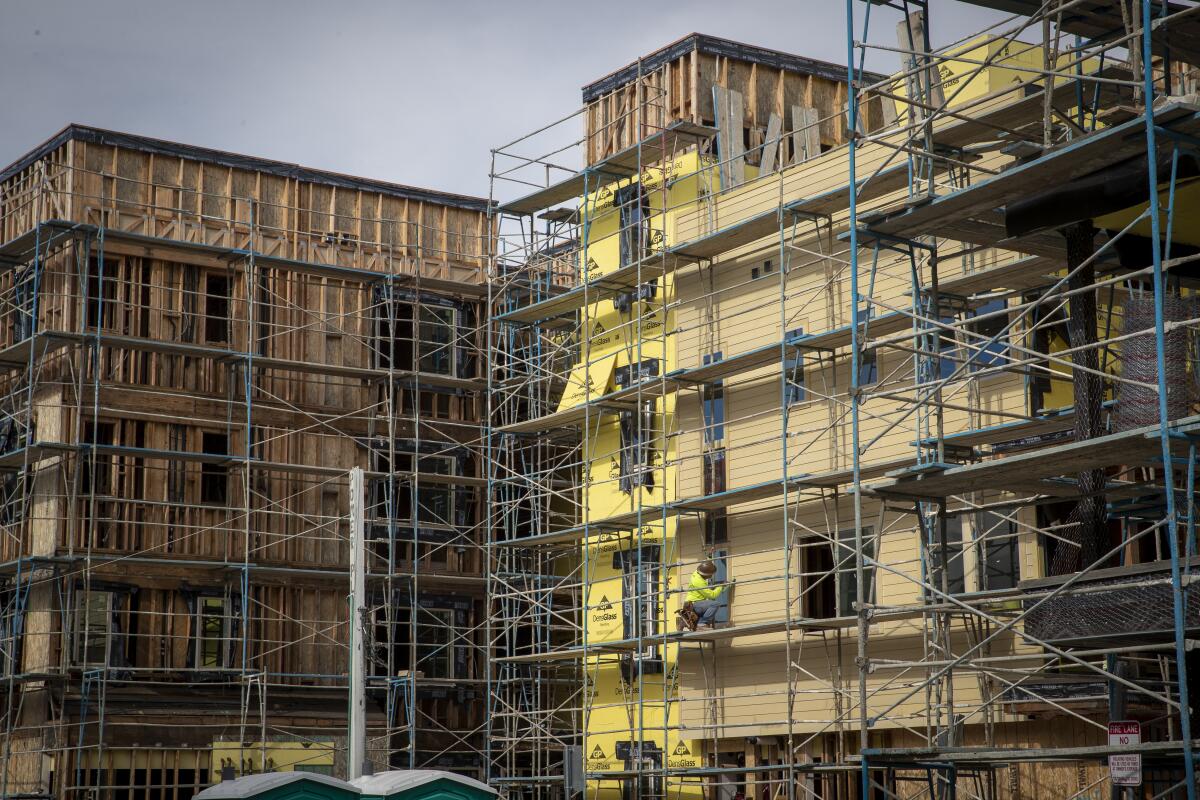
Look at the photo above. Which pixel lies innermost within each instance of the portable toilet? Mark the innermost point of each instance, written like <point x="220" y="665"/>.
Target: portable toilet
<point x="281" y="786"/>
<point x="422" y="784"/>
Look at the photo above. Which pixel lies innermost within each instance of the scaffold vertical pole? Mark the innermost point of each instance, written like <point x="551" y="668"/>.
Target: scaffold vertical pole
<point x="357" y="735"/>
<point x="1177" y="589"/>
<point x="855" y="399"/>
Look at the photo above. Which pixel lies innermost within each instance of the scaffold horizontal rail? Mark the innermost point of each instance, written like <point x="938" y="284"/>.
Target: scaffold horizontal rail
<point x="987" y="229"/>
<point x="765" y="490"/>
<point x="1040" y="468"/>
<point x="730" y="632"/>
<point x="625" y="399"/>
<point x="1002" y="755"/>
<point x="1101" y="20"/>
<point x="571" y="418"/>
<point x="1078" y="158"/>
<point x="1019" y="275"/>
<point x="621" y="164"/>
<point x="174" y="250"/>
<point x="17" y="356"/>
<point x="559" y="310"/>
<point x="21" y="249"/>
<point x="733" y="235"/>
<point x="618" y="646"/>
<point x="988" y="124"/>
<point x="700" y="773"/>
<point x="16" y="459"/>
<point x="1012" y="432"/>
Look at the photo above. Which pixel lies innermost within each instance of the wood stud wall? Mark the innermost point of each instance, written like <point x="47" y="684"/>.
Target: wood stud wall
<point x="166" y="377"/>
<point x="175" y="197"/>
<point x="682" y="90"/>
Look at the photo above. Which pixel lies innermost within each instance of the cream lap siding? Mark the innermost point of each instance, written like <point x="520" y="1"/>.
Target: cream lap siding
<point x="749" y="671"/>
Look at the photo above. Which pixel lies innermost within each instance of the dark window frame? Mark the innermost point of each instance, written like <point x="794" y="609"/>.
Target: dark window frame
<point x="423" y="504"/>
<point x="954" y="557"/>
<point x="712" y="410"/>
<point x="868" y="368"/>
<point x="410" y="334"/>
<point x="100" y="311"/>
<point x="86" y="619"/>
<point x="635" y="233"/>
<point x="214" y="477"/>
<point x="998" y="551"/>
<point x="716" y="528"/>
<point x="224" y="624"/>
<point x="25" y="285"/>
<point x="846" y="574"/>
<point x="437" y="642"/>
<point x="795" y="385"/>
<point x="715" y="471"/>
<point x="218" y="301"/>
<point x="96" y="468"/>
<point x="437" y="334"/>
<point x="638" y="435"/>
<point x="994" y="354"/>
<point x="641" y="585"/>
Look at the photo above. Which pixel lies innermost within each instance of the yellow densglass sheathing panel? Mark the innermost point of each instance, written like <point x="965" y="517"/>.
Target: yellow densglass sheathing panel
<point x="148" y="758"/>
<point x="281" y="756"/>
<point x="964" y="78"/>
<point x="632" y="696"/>
<point x="589" y="380"/>
<point x="1187" y="207"/>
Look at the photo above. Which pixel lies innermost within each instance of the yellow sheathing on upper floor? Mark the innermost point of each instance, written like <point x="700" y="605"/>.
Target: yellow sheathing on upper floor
<point x="962" y="78"/>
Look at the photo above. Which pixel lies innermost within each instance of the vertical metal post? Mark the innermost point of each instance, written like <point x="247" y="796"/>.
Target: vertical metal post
<point x="785" y="234"/>
<point x="855" y="399"/>
<point x="357" y="733"/>
<point x="491" y="454"/>
<point x="251" y="280"/>
<point x="1185" y="721"/>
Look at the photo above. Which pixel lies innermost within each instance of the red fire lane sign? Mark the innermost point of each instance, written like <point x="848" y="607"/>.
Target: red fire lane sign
<point x="1125" y="769"/>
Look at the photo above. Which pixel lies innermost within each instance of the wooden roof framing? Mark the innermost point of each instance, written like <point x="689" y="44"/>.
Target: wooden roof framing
<point x="147" y="144"/>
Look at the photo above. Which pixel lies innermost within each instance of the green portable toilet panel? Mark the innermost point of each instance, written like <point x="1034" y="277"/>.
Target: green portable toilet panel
<point x="422" y="784"/>
<point x="281" y="786"/>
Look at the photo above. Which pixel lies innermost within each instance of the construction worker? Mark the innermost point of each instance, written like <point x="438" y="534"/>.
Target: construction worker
<point x="700" y="606"/>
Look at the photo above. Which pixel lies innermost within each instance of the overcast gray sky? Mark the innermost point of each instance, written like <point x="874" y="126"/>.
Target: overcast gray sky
<point x="412" y="92"/>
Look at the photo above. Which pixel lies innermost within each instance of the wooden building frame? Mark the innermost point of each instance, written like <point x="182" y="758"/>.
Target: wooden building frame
<point x="198" y="347"/>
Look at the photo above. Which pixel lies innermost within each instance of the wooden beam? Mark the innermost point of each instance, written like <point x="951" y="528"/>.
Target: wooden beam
<point x="730" y="149"/>
<point x="806" y="134"/>
<point x="771" y="145"/>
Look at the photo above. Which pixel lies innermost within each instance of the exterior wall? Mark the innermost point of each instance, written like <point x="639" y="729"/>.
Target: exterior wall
<point x="136" y="187"/>
<point x="188" y="416"/>
<point x="681" y="89"/>
<point x="737" y="308"/>
<point x="753" y="296"/>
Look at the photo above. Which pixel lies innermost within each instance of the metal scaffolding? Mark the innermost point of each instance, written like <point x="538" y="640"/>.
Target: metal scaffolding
<point x="189" y="377"/>
<point x="995" y="239"/>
